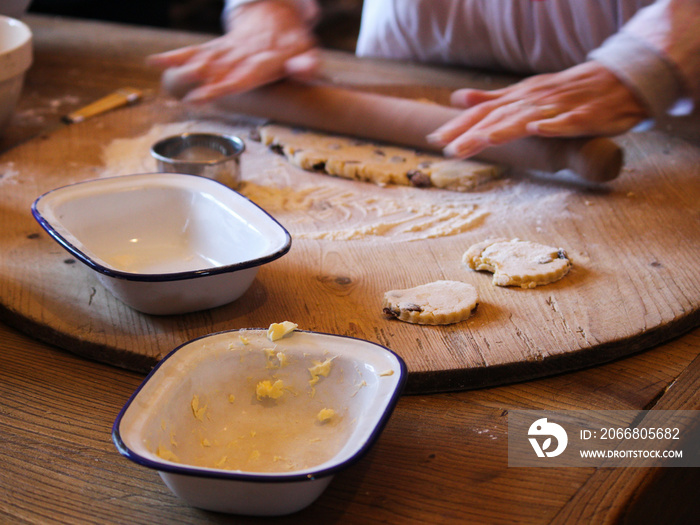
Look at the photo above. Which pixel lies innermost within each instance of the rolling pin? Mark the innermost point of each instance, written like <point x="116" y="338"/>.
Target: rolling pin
<point x="407" y="122"/>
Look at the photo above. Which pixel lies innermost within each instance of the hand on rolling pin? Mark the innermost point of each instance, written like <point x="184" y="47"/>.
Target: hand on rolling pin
<point x="266" y="41"/>
<point x="584" y="100"/>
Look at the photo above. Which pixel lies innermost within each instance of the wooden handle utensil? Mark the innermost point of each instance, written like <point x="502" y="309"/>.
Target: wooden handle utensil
<point x="407" y="122"/>
<point x="117" y="99"/>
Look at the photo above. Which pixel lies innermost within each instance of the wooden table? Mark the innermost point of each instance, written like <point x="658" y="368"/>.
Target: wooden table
<point x="442" y="457"/>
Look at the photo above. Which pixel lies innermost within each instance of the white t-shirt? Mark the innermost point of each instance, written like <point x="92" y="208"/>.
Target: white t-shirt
<point x="520" y="36"/>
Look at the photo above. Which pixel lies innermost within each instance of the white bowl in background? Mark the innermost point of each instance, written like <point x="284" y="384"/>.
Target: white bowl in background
<point x="164" y="243"/>
<point x="15" y="60"/>
<point x="199" y="421"/>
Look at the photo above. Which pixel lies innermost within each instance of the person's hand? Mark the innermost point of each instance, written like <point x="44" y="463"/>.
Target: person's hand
<point x="267" y="41"/>
<point x="584" y="100"/>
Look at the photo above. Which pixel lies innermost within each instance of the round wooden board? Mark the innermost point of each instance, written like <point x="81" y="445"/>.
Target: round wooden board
<point x="635" y="281"/>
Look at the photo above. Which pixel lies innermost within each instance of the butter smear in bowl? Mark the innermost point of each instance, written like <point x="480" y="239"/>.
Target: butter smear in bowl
<point x="258" y="421"/>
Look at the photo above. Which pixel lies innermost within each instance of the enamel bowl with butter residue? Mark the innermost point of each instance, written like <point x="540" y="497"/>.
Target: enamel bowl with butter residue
<point x="237" y="423"/>
<point x="164" y="243"/>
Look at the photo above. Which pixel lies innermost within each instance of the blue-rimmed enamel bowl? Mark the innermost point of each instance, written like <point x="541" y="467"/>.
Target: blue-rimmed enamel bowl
<point x="237" y="423"/>
<point x="164" y="243"/>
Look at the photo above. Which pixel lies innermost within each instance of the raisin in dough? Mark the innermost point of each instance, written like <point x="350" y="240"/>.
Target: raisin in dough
<point x="518" y="263"/>
<point x="380" y="164"/>
<point x="439" y="302"/>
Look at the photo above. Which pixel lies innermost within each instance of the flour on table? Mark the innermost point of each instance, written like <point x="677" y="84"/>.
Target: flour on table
<point x="356" y="216"/>
<point x="133" y="155"/>
<point x="518" y="263"/>
<point x="439" y="302"/>
<point x="8" y="173"/>
<point x="313" y="206"/>
<point x="37" y="115"/>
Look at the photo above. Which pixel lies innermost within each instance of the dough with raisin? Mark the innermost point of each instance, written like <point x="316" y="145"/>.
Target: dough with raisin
<point x="518" y="263"/>
<point x="439" y="302"/>
<point x="356" y="159"/>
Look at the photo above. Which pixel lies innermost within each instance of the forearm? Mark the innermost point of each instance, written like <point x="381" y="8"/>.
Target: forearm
<point x="308" y="9"/>
<point x="657" y="54"/>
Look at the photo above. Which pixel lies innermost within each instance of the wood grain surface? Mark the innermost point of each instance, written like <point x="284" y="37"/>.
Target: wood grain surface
<point x="635" y="281"/>
<point x="442" y="457"/>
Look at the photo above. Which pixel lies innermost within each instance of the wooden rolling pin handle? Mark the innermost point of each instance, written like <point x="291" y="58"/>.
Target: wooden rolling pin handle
<point x="597" y="159"/>
<point x="408" y="122"/>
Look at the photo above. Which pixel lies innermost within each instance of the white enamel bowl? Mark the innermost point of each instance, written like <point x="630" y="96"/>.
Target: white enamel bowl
<point x="164" y="243"/>
<point x="15" y="60"/>
<point x="197" y="418"/>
